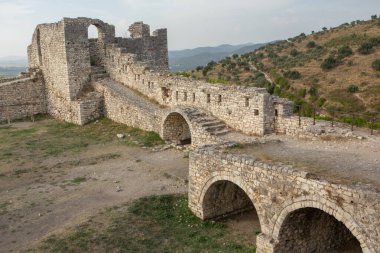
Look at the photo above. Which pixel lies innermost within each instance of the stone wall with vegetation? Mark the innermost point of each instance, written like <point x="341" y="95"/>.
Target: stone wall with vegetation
<point x="279" y="193"/>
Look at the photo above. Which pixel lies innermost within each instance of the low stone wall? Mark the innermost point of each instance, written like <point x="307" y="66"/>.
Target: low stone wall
<point x="121" y="108"/>
<point x="21" y="98"/>
<point x="279" y="192"/>
<point x="90" y="108"/>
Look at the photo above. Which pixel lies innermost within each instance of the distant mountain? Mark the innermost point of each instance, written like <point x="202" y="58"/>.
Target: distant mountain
<point x="182" y="60"/>
<point x="11" y="71"/>
<point x="12" y="65"/>
<point x="13" y="61"/>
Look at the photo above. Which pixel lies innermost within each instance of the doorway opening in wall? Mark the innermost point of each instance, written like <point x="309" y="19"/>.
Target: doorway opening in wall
<point x="93" y="39"/>
<point x="313" y="230"/>
<point x="226" y="202"/>
<point x="176" y="129"/>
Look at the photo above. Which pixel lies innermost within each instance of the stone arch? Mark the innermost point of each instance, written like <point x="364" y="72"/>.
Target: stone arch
<point x="93" y="31"/>
<point x="223" y="177"/>
<point x="39" y="49"/>
<point x="327" y="209"/>
<point x="177" y="128"/>
<point x="95" y="43"/>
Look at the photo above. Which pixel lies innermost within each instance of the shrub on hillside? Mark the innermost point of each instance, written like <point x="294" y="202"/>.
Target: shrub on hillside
<point x="344" y="52"/>
<point x="185" y="74"/>
<point x="321" y="101"/>
<point x="302" y="93"/>
<point x="329" y="63"/>
<point x="353" y="88"/>
<point x="294" y="52"/>
<point x="311" y="44"/>
<point x="374" y="41"/>
<point x="376" y="64"/>
<point x="365" y="48"/>
<point x="292" y="74"/>
<point x="313" y="91"/>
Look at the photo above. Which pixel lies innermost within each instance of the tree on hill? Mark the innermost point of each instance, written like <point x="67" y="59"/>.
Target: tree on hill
<point x="344" y="52"/>
<point x="294" y="52"/>
<point x="365" y="48"/>
<point x="353" y="88"/>
<point x="329" y="63"/>
<point x="292" y="74"/>
<point x="311" y="44"/>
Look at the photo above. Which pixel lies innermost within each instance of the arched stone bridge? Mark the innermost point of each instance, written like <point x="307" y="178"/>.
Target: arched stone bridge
<point x="297" y="213"/>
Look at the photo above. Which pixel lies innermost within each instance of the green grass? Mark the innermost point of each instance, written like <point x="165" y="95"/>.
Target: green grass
<point x="151" y="224"/>
<point x="79" y="180"/>
<point x="53" y="138"/>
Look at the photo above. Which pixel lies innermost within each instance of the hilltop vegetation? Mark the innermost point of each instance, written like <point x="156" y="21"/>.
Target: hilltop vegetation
<point x="333" y="70"/>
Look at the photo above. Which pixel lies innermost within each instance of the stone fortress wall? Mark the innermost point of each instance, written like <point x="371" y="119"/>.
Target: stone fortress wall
<point x="78" y="79"/>
<point x="21" y="98"/>
<point x="64" y="54"/>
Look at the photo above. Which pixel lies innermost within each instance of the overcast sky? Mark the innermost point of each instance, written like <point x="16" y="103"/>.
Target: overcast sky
<point x="190" y="23"/>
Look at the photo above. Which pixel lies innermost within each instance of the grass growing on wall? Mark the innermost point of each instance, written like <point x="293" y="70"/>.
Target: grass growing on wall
<point x="151" y="224"/>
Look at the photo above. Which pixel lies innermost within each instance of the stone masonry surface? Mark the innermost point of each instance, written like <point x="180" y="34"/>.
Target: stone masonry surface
<point x="277" y="191"/>
<point x="77" y="79"/>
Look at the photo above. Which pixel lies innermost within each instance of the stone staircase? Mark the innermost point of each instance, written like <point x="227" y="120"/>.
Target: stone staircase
<point x="98" y="72"/>
<point x="209" y="123"/>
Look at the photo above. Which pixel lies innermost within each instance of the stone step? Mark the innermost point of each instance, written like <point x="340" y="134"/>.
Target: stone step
<point x="99" y="76"/>
<point x="216" y="128"/>
<point x="198" y="114"/>
<point x="98" y="71"/>
<point x="204" y="120"/>
<point x="213" y="123"/>
<point x="221" y="132"/>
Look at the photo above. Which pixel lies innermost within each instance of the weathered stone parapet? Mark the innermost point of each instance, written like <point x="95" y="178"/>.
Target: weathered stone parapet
<point x="22" y="97"/>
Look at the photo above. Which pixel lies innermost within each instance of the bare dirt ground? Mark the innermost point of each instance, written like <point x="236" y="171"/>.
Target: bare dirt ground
<point x="45" y="195"/>
<point x="71" y="189"/>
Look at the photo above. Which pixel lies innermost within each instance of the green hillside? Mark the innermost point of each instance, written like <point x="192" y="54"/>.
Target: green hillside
<point x="333" y="71"/>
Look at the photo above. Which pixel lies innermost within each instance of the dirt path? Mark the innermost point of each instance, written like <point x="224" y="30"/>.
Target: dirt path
<point x="343" y="161"/>
<point x="69" y="190"/>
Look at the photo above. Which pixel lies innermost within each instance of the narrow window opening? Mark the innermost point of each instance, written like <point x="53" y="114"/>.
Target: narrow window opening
<point x="185" y="96"/>
<point x="256" y="112"/>
<point x="276" y="112"/>
<point x="219" y="99"/>
<point x="176" y="95"/>
<point x="208" y="98"/>
<point x="246" y="102"/>
<point x="193" y="97"/>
